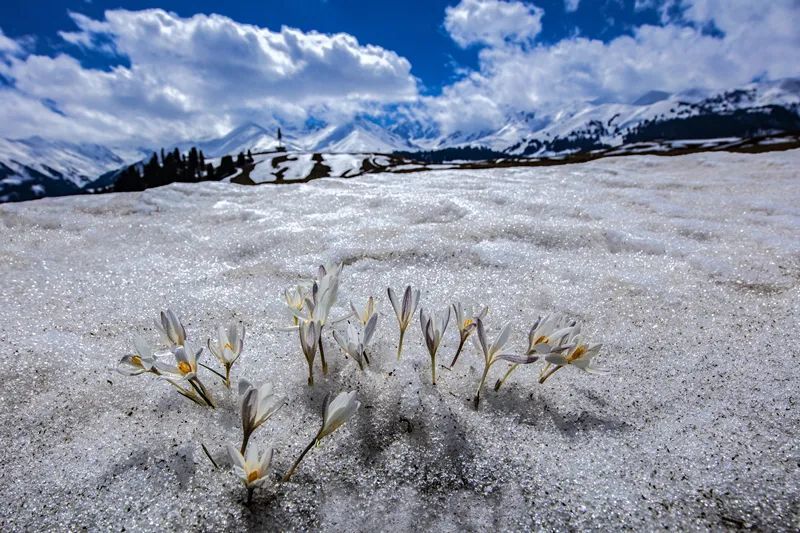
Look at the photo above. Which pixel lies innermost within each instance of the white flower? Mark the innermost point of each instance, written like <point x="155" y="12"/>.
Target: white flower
<point x="295" y="299"/>
<point x="337" y="411"/>
<point x="185" y="367"/>
<point x="334" y="414"/>
<point x="258" y="404"/>
<point x="465" y="321"/>
<point x="185" y="371"/>
<point x="369" y="311"/>
<point x="353" y="344"/>
<point x="433" y="328"/>
<point x="252" y="468"/>
<point x="318" y="304"/>
<point x="142" y="360"/>
<point x="404" y="311"/>
<point x="171" y="329"/>
<point x="324" y="292"/>
<point x="547" y="334"/>
<point x="227" y="348"/>
<point x="495" y="352"/>
<point x="309" y="339"/>
<point x="578" y="354"/>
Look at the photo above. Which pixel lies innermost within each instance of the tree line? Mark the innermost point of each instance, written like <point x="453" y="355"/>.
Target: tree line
<point x="173" y="166"/>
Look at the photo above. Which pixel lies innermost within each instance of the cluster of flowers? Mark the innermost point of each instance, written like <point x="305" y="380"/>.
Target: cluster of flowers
<point x="552" y="338"/>
<point x="178" y="364"/>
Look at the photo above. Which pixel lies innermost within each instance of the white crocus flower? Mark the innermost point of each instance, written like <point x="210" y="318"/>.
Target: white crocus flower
<point x="546" y="335"/>
<point x="433" y="328"/>
<point x="355" y="343"/>
<point x="295" y="299"/>
<point x="252" y="467"/>
<point x="465" y="321"/>
<point x="227" y="348"/>
<point x="578" y="354"/>
<point x="334" y="414"/>
<point x="368" y="312"/>
<point x="171" y="329"/>
<point x="185" y="370"/>
<point x="404" y="311"/>
<point x="142" y="360"/>
<point x="258" y="404"/>
<point x="495" y="352"/>
<point x="318" y="305"/>
<point x="309" y="339"/>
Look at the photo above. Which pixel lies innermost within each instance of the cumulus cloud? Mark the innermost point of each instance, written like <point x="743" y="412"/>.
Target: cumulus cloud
<point x="205" y="74"/>
<point x="492" y="22"/>
<point x="702" y="43"/>
<point x="182" y="78"/>
<point x="571" y="5"/>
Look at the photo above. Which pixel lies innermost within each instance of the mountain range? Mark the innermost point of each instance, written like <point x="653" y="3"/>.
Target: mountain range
<point x="35" y="167"/>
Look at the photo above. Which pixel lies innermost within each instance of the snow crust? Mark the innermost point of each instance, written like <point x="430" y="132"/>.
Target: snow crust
<point x="686" y="268"/>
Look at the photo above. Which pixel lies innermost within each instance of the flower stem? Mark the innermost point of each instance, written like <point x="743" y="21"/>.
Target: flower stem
<point x="250" y="495"/>
<point x="297" y="462"/>
<point x="458" y="352"/>
<point x="322" y="356"/>
<point x="202" y="392"/>
<point x="205" y="450"/>
<point x="477" y="399"/>
<point x="400" y="344"/>
<point x="223" y="378"/>
<point x="433" y="368"/>
<point x="310" y="375"/>
<point x="505" y="377"/>
<point x="366" y="357"/>
<point x="547" y="375"/>
<point x="245" y="440"/>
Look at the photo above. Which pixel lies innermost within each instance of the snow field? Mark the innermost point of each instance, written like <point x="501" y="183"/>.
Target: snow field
<point x="686" y="268"/>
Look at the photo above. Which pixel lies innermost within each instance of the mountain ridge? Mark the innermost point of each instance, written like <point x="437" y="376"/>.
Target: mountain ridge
<point x="36" y="167"/>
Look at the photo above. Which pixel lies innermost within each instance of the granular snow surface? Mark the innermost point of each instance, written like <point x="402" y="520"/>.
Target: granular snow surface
<point x="686" y="268"/>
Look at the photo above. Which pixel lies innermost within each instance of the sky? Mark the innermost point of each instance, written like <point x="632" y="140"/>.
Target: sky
<point x="145" y="72"/>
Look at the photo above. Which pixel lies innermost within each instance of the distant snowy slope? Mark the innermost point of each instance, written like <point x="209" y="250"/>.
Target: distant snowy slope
<point x="36" y="167"/>
<point x="249" y="136"/>
<point x="359" y="136"/>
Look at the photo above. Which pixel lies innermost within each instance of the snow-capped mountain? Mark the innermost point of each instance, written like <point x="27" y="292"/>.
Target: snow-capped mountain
<point x="755" y="109"/>
<point x="249" y="136"/>
<point x="359" y="135"/>
<point x="35" y="167"/>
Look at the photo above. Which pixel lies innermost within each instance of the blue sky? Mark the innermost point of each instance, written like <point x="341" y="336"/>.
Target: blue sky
<point x="412" y="28"/>
<point x="128" y="71"/>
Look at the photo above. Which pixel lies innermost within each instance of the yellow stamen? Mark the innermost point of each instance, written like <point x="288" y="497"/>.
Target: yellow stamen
<point x="577" y="353"/>
<point x="136" y="360"/>
<point x="252" y="476"/>
<point x="184" y="367"/>
<point x="228" y="345"/>
<point x="541" y="340"/>
<point x="467" y="323"/>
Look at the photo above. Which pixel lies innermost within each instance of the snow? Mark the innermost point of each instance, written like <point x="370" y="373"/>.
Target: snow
<point x="686" y="268"/>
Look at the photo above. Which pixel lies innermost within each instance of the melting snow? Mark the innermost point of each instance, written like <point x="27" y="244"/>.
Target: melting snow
<point x="686" y="268"/>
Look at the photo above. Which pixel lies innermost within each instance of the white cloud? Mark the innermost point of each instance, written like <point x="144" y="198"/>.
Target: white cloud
<point x="9" y="46"/>
<point x="571" y="5"/>
<point x="492" y="22"/>
<point x="750" y="41"/>
<point x="202" y="75"/>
